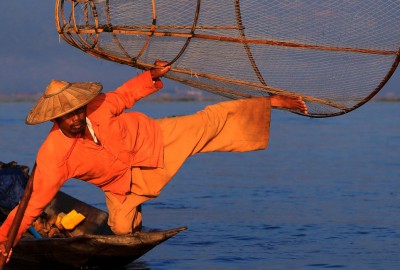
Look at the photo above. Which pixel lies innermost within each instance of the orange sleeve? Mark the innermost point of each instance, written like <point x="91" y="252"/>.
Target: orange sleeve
<point x="46" y="183"/>
<point x="139" y="87"/>
<point x="125" y="96"/>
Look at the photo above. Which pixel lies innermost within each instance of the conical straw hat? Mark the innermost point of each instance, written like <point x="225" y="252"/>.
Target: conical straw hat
<point x="60" y="98"/>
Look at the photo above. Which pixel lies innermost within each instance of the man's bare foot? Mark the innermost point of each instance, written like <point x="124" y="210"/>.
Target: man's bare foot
<point x="288" y="102"/>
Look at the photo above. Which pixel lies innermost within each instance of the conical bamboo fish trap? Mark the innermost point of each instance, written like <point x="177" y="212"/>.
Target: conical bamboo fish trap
<point x="336" y="54"/>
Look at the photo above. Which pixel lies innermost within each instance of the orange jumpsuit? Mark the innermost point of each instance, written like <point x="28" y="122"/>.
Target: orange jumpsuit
<point x="137" y="155"/>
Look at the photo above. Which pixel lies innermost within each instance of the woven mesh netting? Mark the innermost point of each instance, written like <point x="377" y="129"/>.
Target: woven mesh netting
<point x="336" y="54"/>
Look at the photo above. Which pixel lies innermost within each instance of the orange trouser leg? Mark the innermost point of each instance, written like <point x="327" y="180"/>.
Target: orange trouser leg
<point x="234" y="126"/>
<point x="124" y="216"/>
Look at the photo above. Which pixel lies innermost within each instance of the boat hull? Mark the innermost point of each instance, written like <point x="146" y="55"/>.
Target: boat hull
<point x="91" y="243"/>
<point x="89" y="250"/>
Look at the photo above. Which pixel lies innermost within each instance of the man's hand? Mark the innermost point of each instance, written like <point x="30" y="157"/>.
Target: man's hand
<point x="3" y="251"/>
<point x="159" y="69"/>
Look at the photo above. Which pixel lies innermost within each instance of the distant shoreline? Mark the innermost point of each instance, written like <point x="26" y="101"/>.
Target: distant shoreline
<point x="387" y="99"/>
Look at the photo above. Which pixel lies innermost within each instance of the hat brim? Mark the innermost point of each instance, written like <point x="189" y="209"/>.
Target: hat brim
<point x="76" y="95"/>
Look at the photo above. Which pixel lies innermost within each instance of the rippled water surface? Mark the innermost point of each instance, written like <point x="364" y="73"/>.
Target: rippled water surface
<point x="325" y="194"/>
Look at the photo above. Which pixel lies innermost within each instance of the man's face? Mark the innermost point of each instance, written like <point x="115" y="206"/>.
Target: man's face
<point x="73" y="123"/>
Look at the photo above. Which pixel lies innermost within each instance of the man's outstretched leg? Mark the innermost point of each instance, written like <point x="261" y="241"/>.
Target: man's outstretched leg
<point x="234" y="126"/>
<point x="231" y="126"/>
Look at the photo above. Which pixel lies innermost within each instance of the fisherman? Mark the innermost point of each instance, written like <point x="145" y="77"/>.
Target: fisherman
<point x="130" y="156"/>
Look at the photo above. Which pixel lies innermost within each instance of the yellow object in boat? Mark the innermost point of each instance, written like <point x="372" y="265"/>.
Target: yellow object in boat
<point x="69" y="221"/>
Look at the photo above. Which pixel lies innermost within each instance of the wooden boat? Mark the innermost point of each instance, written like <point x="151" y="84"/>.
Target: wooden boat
<point x="90" y="244"/>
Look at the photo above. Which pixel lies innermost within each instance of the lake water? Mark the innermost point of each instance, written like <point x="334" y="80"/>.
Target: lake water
<point x="325" y="194"/>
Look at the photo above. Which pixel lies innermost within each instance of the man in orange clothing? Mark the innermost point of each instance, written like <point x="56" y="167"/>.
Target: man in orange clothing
<point x="130" y="156"/>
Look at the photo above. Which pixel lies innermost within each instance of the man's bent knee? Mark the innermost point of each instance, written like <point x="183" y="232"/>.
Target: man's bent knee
<point x="123" y="224"/>
<point x="121" y="230"/>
